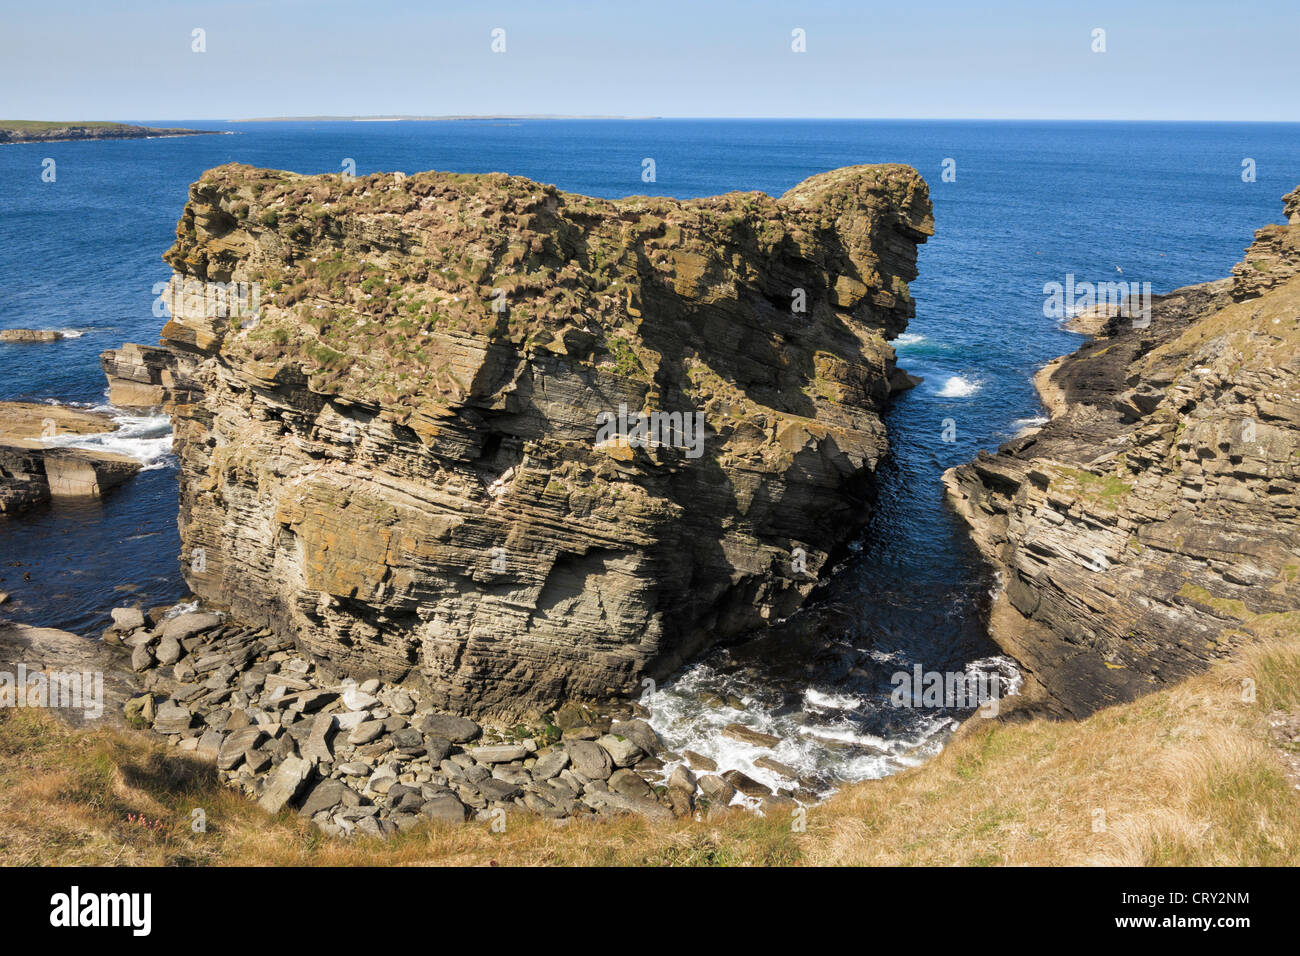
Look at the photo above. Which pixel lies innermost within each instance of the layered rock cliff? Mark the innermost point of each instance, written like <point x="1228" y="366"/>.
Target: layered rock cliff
<point x="396" y="463"/>
<point x="1153" y="524"/>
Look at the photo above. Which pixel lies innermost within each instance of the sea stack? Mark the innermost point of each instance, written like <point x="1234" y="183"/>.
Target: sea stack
<point x="393" y="456"/>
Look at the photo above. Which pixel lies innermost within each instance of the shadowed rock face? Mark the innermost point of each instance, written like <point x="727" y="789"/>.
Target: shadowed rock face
<point x="1154" y="523"/>
<point x="397" y="465"/>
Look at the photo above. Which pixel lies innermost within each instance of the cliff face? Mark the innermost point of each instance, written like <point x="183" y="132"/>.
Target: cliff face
<point x="397" y="463"/>
<point x="1154" y="523"/>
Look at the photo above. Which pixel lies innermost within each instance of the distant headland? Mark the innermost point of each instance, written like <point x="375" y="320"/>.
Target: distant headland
<point x="40" y="131"/>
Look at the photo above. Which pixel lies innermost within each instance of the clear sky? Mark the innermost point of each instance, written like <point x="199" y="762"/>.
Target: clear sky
<point x="1164" y="59"/>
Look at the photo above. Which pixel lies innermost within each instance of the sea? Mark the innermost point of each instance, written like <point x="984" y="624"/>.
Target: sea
<point x="1017" y="206"/>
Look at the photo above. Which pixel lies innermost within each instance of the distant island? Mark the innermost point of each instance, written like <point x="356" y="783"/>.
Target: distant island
<point x="38" y="131"/>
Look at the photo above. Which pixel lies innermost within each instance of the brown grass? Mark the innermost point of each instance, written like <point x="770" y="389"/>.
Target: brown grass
<point x="1185" y="776"/>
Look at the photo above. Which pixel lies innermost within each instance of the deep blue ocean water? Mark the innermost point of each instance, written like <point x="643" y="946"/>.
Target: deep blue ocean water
<point x="1032" y="202"/>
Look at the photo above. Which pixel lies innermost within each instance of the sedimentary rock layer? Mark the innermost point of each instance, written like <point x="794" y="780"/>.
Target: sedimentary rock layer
<point x="1154" y="524"/>
<point x="32" y="472"/>
<point x="395" y="462"/>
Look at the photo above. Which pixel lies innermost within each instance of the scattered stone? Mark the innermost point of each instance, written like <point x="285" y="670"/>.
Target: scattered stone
<point x="317" y="747"/>
<point x="326" y="795"/>
<point x="749" y="736"/>
<point x="682" y="779"/>
<point x="355" y="699"/>
<point x="445" y="807"/>
<point x="746" y="785"/>
<point x="141" y="658"/>
<point x="458" y="730"/>
<point x="236" y="745"/>
<point x="700" y="762"/>
<point x="498" y="790"/>
<point x="187" y="625"/>
<point x="549" y="765"/>
<point x="640" y="733"/>
<point x="173" y="718"/>
<point x="499" y="753"/>
<point x="589" y="760"/>
<point x="127" y="618"/>
<point x="284" y="786"/>
<point x="366" y="732"/>
<point x="141" y="708"/>
<point x="256" y="760"/>
<point x="629" y="783"/>
<point x="169" y="651"/>
<point x="622" y="751"/>
<point x="718" y="790"/>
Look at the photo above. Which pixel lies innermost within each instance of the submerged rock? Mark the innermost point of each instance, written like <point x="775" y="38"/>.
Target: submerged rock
<point x="30" y="335"/>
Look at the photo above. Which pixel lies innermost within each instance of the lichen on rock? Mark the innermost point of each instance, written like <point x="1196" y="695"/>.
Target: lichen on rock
<point x="394" y="460"/>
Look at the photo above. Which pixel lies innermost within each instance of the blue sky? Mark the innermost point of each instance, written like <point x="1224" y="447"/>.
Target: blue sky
<point x="132" y="59"/>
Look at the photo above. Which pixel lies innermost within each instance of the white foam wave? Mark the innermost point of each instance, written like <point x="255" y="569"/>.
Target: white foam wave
<point x="908" y="338"/>
<point x="146" y="438"/>
<point x="827" y="701"/>
<point x="958" y="386"/>
<point x="1023" y="426"/>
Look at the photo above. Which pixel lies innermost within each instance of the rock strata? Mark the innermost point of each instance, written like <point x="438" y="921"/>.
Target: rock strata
<point x="395" y="463"/>
<point x="1153" y="525"/>
<point x="33" y="472"/>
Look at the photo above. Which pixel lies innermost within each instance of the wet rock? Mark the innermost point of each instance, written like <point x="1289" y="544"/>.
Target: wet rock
<point x="750" y="736"/>
<point x="700" y="762"/>
<point x="778" y="768"/>
<point x="746" y="784"/>
<point x="718" y="790"/>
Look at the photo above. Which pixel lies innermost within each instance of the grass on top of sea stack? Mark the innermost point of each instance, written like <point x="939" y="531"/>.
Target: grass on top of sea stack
<point x="1191" y="775"/>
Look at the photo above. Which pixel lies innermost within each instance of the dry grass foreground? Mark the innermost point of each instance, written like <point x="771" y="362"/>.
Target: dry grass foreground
<point x="1188" y="775"/>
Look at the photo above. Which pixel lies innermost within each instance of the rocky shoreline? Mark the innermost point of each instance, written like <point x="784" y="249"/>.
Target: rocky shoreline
<point x="45" y="132"/>
<point x="1152" y="526"/>
<point x="373" y="758"/>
